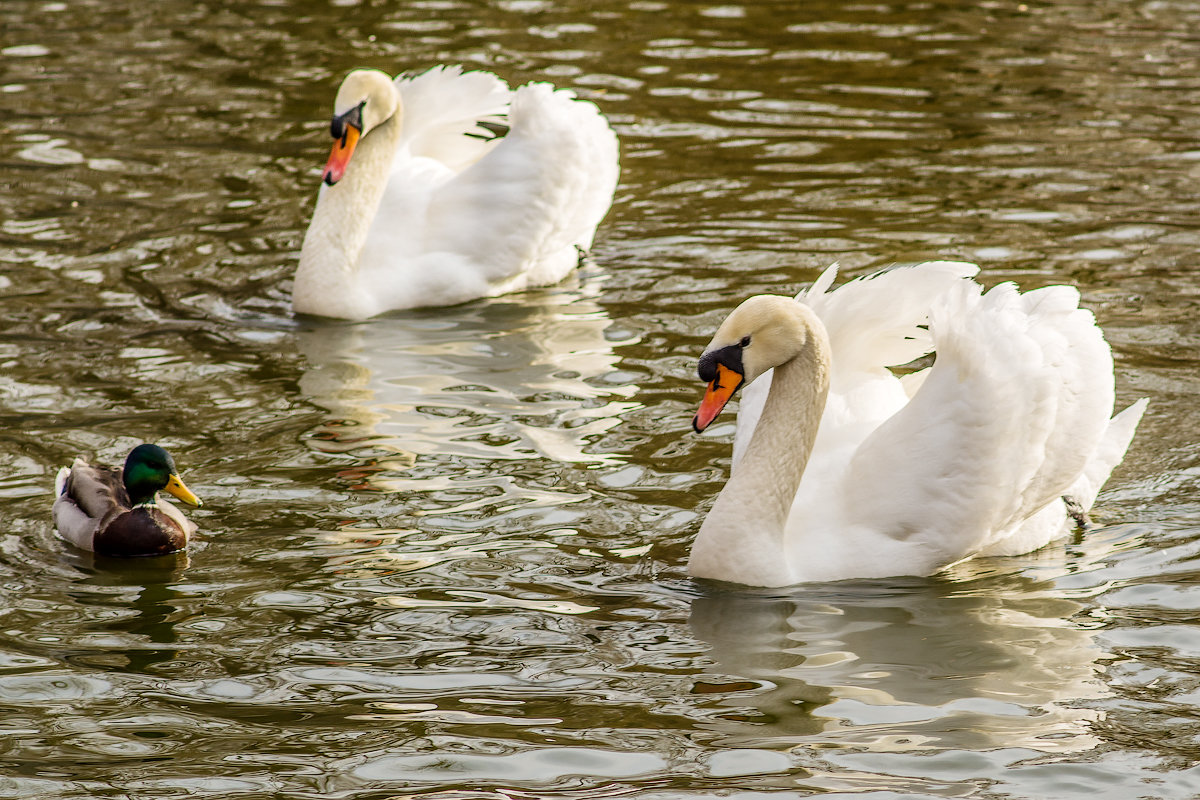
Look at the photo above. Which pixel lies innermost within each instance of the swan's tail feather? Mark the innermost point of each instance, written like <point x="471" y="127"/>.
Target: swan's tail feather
<point x="1110" y="452"/>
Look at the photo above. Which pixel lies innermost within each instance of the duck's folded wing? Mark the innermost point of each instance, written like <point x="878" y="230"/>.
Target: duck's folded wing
<point x="536" y="196"/>
<point x="176" y="516"/>
<point x="1005" y="422"/>
<point x="96" y="490"/>
<point x="87" y="496"/>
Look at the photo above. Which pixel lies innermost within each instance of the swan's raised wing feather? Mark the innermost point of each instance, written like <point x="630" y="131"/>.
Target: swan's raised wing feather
<point x="1079" y="373"/>
<point x="443" y="108"/>
<point x="1005" y="422"/>
<point x="877" y="321"/>
<point x="537" y="196"/>
<point x="873" y="322"/>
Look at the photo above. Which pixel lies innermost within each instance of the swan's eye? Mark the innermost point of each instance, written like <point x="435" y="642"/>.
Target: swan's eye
<point x="745" y="342"/>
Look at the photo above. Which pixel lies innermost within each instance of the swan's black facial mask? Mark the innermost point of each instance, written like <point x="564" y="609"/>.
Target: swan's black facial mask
<point x="723" y="372"/>
<point x="346" y="130"/>
<point x="730" y="357"/>
<point x="353" y="117"/>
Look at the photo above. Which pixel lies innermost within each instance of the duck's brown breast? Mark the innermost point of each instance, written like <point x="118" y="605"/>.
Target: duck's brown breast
<point x="140" y="532"/>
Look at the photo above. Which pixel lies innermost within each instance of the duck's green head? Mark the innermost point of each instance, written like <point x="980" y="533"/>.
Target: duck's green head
<point x="150" y="469"/>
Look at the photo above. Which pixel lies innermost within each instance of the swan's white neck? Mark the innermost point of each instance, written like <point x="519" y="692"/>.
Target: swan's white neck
<point x="327" y="281"/>
<point x="742" y="538"/>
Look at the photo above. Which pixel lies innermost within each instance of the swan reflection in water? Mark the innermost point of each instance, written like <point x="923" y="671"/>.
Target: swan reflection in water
<point x="507" y="380"/>
<point x="919" y="664"/>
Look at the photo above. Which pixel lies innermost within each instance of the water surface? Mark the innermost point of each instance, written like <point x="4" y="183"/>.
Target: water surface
<point x="442" y="551"/>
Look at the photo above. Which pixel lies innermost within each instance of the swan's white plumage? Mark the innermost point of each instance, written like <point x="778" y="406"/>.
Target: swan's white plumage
<point x="443" y="108"/>
<point x="970" y="456"/>
<point x="432" y="211"/>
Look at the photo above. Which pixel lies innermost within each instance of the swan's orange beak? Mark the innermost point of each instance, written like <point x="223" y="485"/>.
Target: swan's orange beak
<point x="720" y="389"/>
<point x="339" y="159"/>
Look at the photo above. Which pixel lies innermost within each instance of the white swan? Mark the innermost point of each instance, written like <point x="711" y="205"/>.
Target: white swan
<point x="435" y="209"/>
<point x="842" y="470"/>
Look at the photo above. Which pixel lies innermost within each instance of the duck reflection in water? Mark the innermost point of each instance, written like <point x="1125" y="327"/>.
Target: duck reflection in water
<point x="918" y="664"/>
<point x="135" y="642"/>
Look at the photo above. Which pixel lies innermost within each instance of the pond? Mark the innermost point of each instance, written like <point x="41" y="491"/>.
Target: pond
<point x="442" y="552"/>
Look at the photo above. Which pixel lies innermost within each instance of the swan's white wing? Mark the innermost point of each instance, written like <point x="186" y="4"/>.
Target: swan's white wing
<point x="1079" y="374"/>
<point x="469" y="218"/>
<point x="1047" y="524"/>
<point x="536" y="196"/>
<point x="443" y="108"/>
<point x="879" y="320"/>
<point x="873" y="322"/>
<point x="1004" y="423"/>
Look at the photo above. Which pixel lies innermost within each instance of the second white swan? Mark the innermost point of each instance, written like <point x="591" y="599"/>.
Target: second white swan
<point x="425" y="203"/>
<point x="842" y="470"/>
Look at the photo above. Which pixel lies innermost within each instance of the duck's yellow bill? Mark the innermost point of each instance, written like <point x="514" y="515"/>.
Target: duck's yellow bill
<point x="339" y="157"/>
<point x="175" y="487"/>
<point x="716" y="396"/>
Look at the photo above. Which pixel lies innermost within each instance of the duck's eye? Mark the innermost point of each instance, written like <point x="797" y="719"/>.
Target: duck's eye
<point x="745" y="342"/>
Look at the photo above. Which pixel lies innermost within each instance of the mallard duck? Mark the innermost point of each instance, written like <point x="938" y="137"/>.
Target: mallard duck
<point x="843" y="470"/>
<point x="116" y="511"/>
<point x="449" y="186"/>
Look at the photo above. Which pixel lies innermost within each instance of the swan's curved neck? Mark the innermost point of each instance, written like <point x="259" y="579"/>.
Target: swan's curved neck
<point x="743" y="534"/>
<point x="340" y="224"/>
